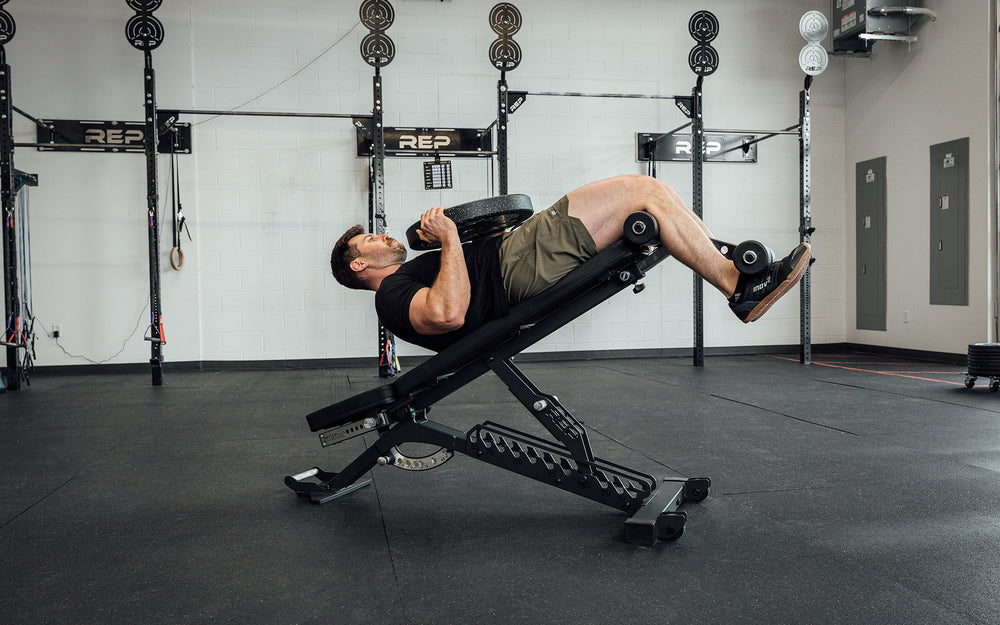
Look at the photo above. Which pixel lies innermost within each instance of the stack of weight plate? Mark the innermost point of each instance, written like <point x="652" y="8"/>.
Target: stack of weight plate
<point x="984" y="362"/>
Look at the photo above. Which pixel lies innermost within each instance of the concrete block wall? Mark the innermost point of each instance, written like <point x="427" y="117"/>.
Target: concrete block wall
<point x="266" y="197"/>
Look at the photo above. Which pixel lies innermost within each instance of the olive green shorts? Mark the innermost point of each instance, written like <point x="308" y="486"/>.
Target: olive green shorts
<point x="545" y="248"/>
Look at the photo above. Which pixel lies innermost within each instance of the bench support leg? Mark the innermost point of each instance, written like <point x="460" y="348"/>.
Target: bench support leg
<point x="559" y="421"/>
<point x="332" y="485"/>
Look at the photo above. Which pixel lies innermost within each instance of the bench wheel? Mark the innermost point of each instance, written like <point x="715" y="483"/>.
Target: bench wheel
<point x="696" y="489"/>
<point x="479" y="219"/>
<point x="752" y="257"/>
<point x="670" y="525"/>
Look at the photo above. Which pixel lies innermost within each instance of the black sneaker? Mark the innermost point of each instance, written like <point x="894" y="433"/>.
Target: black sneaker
<point x="755" y="294"/>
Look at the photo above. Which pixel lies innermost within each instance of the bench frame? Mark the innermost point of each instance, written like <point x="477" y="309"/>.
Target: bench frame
<point x="398" y="411"/>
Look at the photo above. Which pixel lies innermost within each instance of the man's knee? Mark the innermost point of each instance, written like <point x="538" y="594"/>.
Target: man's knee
<point x="643" y="189"/>
<point x="644" y="193"/>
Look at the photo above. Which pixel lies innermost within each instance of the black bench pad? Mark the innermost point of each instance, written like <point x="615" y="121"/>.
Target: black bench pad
<point x="603" y="267"/>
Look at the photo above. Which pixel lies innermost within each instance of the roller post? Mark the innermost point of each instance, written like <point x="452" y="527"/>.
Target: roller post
<point x="805" y="224"/>
<point x="150" y="141"/>
<point x="12" y="303"/>
<point x="697" y="162"/>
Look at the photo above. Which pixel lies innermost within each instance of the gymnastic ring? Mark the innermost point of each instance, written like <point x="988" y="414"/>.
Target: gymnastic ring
<point x="478" y="219"/>
<point x="176" y="258"/>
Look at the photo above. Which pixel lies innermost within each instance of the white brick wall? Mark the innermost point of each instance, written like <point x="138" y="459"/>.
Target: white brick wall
<point x="267" y="197"/>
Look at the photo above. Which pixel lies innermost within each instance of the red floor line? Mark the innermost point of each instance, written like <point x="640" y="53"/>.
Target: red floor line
<point x="935" y="372"/>
<point x="898" y="375"/>
<point x="879" y="363"/>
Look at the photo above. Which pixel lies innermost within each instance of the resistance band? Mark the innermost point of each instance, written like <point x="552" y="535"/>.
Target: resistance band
<point x="389" y="359"/>
<point x="21" y="326"/>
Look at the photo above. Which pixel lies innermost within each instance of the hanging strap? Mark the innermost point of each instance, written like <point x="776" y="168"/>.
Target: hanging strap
<point x="179" y="221"/>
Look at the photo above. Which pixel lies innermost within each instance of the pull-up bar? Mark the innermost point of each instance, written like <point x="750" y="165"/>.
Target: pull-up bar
<point x="102" y="147"/>
<point x="576" y="94"/>
<point x="260" y="113"/>
<point x="791" y="130"/>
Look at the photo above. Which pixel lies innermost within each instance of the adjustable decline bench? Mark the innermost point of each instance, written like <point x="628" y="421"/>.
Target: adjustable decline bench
<point x="397" y="411"/>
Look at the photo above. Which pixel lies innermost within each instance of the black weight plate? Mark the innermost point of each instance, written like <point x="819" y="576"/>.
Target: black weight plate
<point x="979" y="362"/>
<point x="505" y="19"/>
<point x="505" y="54"/>
<point x="7" y="27"/>
<point x="703" y="59"/>
<point x="983" y="364"/>
<point x="376" y="15"/>
<point x="144" y="31"/>
<point x="377" y="49"/>
<point x="979" y="353"/>
<point x="984" y="359"/>
<point x="147" y="6"/>
<point x="985" y="372"/>
<point x="703" y="26"/>
<point x="479" y="218"/>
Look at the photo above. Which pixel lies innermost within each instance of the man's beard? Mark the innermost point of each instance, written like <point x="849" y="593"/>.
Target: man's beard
<point x="398" y="253"/>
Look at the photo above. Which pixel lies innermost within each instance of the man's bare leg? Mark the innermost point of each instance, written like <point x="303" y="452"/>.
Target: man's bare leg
<point x="603" y="206"/>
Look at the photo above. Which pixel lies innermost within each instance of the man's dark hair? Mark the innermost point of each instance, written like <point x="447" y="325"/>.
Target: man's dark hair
<point x="343" y="254"/>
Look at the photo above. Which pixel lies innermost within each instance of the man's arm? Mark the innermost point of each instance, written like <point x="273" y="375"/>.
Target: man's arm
<point x="441" y="307"/>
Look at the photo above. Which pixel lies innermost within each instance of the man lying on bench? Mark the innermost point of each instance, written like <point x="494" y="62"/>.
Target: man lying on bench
<point x="436" y="299"/>
<point x="483" y="303"/>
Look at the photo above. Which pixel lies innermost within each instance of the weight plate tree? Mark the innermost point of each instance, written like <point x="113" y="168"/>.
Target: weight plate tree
<point x="505" y="55"/>
<point x="12" y="303"/>
<point x="145" y="32"/>
<point x="378" y="50"/>
<point x="703" y="61"/>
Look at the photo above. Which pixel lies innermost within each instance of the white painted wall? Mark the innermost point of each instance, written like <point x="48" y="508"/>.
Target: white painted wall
<point x="267" y="197"/>
<point x="70" y="60"/>
<point x="898" y="104"/>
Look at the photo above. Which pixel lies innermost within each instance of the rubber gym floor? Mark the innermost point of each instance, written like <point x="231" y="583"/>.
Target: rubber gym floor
<point x="857" y="489"/>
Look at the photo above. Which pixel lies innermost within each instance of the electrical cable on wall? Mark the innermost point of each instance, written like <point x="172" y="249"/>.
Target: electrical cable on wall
<point x="289" y="77"/>
<point x="138" y="324"/>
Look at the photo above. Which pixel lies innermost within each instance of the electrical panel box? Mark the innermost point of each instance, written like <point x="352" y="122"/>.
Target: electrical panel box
<point x="870" y="228"/>
<point x="949" y="223"/>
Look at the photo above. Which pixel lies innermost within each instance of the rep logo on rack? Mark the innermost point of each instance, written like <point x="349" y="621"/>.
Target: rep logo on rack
<point x="70" y="135"/>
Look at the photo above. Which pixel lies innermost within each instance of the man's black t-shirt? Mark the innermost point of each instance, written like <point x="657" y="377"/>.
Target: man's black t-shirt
<point x="488" y="301"/>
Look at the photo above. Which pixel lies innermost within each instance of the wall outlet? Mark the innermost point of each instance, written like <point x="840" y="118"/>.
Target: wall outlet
<point x="56" y="330"/>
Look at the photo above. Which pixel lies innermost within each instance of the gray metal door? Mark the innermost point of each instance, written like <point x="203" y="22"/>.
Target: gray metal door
<point x="871" y="244"/>
<point x="949" y="223"/>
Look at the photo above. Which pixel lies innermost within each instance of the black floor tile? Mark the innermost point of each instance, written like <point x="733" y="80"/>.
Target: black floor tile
<point x="840" y="495"/>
